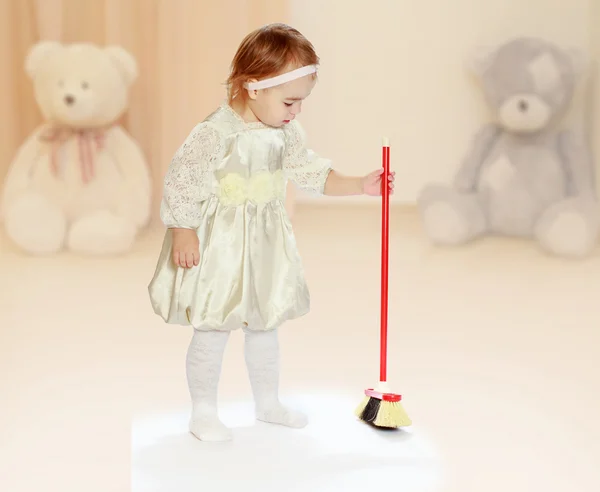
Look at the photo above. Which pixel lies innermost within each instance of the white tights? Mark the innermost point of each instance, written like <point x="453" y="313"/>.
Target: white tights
<point x="203" y="367"/>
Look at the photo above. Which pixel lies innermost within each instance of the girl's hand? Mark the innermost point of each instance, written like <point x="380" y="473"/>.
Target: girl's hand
<point x="371" y="183"/>
<point x="186" y="248"/>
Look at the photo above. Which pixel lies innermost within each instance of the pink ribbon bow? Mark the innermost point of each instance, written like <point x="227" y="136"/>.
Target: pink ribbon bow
<point x="86" y="138"/>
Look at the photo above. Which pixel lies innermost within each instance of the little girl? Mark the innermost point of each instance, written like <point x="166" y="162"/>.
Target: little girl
<point x="229" y="258"/>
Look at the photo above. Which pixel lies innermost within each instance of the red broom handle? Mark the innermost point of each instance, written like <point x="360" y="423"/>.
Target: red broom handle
<point x="385" y="227"/>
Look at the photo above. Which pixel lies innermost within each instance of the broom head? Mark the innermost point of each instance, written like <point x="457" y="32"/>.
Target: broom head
<point x="382" y="410"/>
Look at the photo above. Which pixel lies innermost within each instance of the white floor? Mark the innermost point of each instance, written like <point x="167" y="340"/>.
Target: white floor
<point x="333" y="453"/>
<point x="495" y="348"/>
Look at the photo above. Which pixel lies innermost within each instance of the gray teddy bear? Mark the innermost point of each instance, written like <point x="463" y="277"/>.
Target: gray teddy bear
<point x="523" y="176"/>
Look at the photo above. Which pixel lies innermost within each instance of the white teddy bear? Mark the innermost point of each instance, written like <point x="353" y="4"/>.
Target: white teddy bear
<point x="79" y="181"/>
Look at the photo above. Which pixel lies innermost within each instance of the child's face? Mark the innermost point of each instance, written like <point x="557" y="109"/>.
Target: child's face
<point x="279" y="105"/>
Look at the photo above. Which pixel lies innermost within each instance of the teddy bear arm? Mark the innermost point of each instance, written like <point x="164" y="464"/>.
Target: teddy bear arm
<point x="482" y="143"/>
<point x="18" y="177"/>
<point x="578" y="164"/>
<point x="133" y="168"/>
<point x="571" y="226"/>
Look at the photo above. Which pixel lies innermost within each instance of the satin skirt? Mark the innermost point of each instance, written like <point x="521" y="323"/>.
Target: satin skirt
<point x="250" y="272"/>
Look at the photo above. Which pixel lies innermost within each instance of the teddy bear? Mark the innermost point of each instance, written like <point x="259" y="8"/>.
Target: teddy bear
<point x="524" y="175"/>
<point x="79" y="182"/>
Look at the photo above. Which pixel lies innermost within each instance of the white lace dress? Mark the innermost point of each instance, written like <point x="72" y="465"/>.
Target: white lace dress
<point x="227" y="181"/>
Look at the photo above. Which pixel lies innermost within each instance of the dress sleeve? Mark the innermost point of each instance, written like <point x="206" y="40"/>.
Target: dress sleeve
<point x="188" y="180"/>
<point x="302" y="166"/>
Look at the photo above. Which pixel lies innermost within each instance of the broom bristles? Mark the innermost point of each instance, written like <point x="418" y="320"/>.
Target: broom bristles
<point x="382" y="413"/>
<point x="360" y="409"/>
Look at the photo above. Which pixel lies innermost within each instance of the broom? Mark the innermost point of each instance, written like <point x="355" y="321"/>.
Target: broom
<point x="381" y="407"/>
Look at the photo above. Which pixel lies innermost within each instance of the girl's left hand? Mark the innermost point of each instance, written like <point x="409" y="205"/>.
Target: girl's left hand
<point x="371" y="183"/>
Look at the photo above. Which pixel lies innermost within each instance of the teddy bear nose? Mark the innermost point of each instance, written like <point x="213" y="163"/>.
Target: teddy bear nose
<point x="523" y="106"/>
<point x="69" y="99"/>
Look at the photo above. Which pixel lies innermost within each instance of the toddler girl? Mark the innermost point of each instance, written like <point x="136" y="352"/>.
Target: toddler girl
<point x="229" y="257"/>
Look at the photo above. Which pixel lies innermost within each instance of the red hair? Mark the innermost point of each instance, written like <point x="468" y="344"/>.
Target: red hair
<point x="267" y="52"/>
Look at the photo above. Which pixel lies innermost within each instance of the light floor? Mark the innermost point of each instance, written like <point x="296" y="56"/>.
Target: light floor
<point x="495" y="348"/>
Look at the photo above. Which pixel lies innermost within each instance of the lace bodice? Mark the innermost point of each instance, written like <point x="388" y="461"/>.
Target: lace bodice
<point x="221" y="144"/>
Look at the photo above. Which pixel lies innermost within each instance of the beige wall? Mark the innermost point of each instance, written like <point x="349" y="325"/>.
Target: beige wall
<point x="594" y="118"/>
<point x="397" y="68"/>
<point x="390" y="67"/>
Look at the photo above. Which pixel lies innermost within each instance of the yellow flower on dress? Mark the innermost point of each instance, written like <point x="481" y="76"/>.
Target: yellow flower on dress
<point x="260" y="187"/>
<point x="232" y="189"/>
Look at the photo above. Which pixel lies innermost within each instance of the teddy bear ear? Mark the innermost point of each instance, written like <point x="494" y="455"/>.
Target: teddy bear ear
<point x="481" y="59"/>
<point x="579" y="59"/>
<point x="38" y="53"/>
<point x="124" y="61"/>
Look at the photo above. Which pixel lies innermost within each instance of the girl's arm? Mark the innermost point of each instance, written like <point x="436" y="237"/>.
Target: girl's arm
<point x="186" y="186"/>
<point x="339" y="185"/>
<point x="186" y="183"/>
<point x="315" y="174"/>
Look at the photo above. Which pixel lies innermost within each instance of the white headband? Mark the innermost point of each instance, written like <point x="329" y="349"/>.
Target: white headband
<point x="281" y="79"/>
